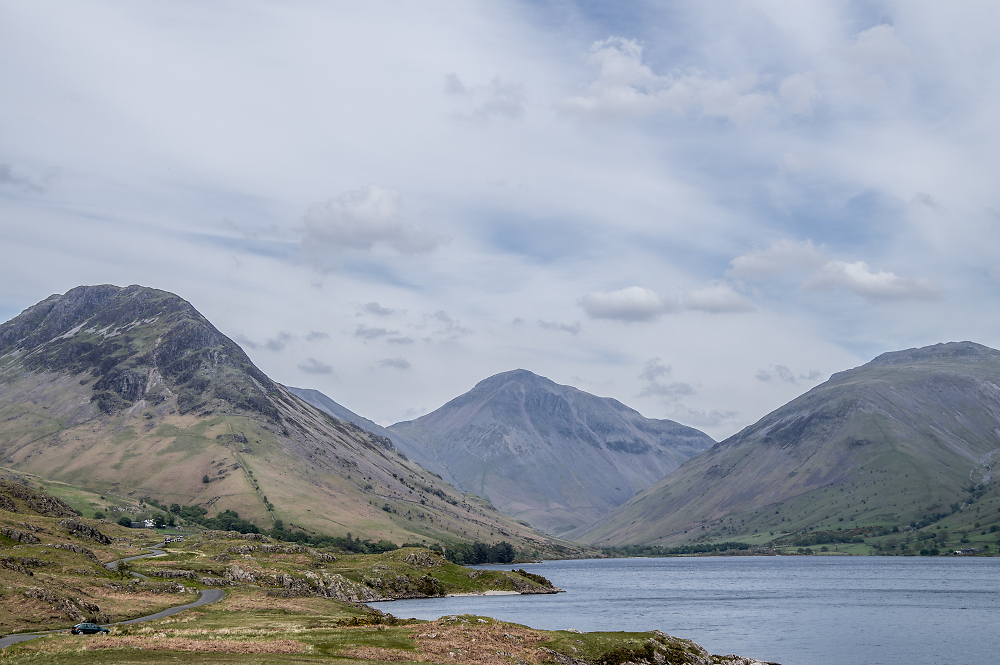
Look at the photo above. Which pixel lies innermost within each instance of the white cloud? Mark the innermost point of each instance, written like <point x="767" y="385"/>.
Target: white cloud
<point x="313" y="366"/>
<point x="718" y="297"/>
<point x="360" y="219"/>
<point x="882" y="285"/>
<point x="625" y="87"/>
<point x="634" y="303"/>
<point x="316" y="335"/>
<point x="779" y="258"/>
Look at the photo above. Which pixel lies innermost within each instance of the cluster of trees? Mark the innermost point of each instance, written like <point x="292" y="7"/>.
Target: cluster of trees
<point x="470" y="555"/>
<point x="657" y="550"/>
<point x="227" y="520"/>
<point x="344" y="544"/>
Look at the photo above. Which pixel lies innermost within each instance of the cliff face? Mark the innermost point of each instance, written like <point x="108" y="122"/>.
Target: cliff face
<point x="551" y="455"/>
<point x="129" y="390"/>
<point x="904" y="437"/>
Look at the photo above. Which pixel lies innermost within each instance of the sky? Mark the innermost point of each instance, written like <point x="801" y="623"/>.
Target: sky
<point x="701" y="209"/>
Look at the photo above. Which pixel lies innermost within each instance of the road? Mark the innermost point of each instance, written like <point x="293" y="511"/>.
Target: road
<point x="204" y="598"/>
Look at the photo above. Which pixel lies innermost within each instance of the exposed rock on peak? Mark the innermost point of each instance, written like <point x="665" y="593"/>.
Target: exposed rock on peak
<point x="137" y="344"/>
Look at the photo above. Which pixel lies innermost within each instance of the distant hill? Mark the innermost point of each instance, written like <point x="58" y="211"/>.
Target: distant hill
<point x="131" y="391"/>
<point x="551" y="455"/>
<point x="912" y="437"/>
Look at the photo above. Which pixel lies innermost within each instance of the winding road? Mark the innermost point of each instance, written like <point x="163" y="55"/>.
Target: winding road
<point x="204" y="598"/>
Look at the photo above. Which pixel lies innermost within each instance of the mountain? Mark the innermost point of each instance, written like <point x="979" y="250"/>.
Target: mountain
<point x="324" y="403"/>
<point x="131" y="391"/>
<point x="551" y="455"/>
<point x="907" y="440"/>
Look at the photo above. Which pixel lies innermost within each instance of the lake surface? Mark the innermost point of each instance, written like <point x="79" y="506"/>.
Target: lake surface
<point x="807" y="610"/>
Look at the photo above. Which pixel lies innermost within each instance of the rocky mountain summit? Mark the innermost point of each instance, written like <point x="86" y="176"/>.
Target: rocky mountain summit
<point x="549" y="454"/>
<point x="898" y="443"/>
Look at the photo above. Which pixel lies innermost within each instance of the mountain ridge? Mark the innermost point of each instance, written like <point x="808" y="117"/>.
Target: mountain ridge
<point x="889" y="443"/>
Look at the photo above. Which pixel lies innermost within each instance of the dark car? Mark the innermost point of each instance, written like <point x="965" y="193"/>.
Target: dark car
<point x="87" y="629"/>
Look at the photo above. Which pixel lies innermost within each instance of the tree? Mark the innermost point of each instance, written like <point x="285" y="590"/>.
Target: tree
<point x="205" y="479"/>
<point x="159" y="521"/>
<point x="125" y="521"/>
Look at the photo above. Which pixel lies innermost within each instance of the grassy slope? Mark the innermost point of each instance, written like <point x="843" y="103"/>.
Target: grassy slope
<point x="876" y="446"/>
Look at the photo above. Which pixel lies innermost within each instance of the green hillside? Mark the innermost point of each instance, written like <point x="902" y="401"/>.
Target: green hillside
<point x="901" y="447"/>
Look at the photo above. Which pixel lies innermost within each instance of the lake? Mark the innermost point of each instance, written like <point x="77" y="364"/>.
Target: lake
<point x="805" y="610"/>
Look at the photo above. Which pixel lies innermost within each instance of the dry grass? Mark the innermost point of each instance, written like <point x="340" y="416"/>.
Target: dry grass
<point x="463" y="640"/>
<point x="160" y="642"/>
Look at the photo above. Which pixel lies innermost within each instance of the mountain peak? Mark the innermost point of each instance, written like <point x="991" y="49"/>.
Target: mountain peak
<point x="513" y="376"/>
<point x="959" y="351"/>
<point x="544" y="452"/>
<point x="136" y="344"/>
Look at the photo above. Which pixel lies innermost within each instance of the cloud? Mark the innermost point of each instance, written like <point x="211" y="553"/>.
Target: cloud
<point x="782" y="373"/>
<point x="377" y="309"/>
<point x="450" y="327"/>
<point x="373" y="333"/>
<point x="652" y="371"/>
<point x="634" y="303"/>
<point x="716" y="298"/>
<point x="703" y="418"/>
<point x="278" y="342"/>
<point x="23" y="182"/>
<point x="315" y="336"/>
<point x="878" y="45"/>
<point x="498" y="98"/>
<point x="395" y="363"/>
<point x="361" y="219"/>
<point x="626" y="87"/>
<point x="668" y="391"/>
<point x="925" y="199"/>
<point x="571" y="328"/>
<point x="799" y="92"/>
<point x="246" y="342"/>
<point x="859" y="279"/>
<point x="313" y="366"/>
<point x="785" y="255"/>
<point x="400" y="340"/>
<point x="779" y="258"/>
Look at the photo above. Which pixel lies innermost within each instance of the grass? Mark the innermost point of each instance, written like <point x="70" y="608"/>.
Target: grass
<point x="306" y="632"/>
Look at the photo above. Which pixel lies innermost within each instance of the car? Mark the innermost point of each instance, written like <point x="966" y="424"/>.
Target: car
<point x="87" y="629"/>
